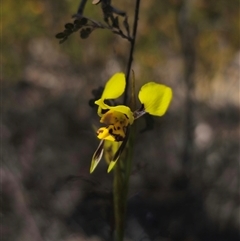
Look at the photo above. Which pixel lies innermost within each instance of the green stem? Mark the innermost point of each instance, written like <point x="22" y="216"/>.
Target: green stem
<point x="122" y="171"/>
<point x="119" y="210"/>
<point x="122" y="174"/>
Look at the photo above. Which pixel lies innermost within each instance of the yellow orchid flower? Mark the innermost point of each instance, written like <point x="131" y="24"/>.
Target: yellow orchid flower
<point x="155" y="99"/>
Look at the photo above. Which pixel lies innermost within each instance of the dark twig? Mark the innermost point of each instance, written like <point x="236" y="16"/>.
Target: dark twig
<point x="81" y="7"/>
<point x="103" y="26"/>
<point x="130" y="59"/>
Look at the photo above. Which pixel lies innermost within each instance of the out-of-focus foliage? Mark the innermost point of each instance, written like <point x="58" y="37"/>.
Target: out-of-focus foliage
<point x="48" y="127"/>
<point x="217" y="24"/>
<point x="85" y="25"/>
<point x="21" y="23"/>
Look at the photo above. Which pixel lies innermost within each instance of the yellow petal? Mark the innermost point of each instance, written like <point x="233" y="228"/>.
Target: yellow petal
<point x="118" y="153"/>
<point x="101" y="106"/>
<point x="111" y="166"/>
<point x="155" y="98"/>
<point x="113" y="117"/>
<point x="125" y="110"/>
<point x="110" y="148"/>
<point x="119" y="108"/>
<point x="115" y="87"/>
<point x="103" y="134"/>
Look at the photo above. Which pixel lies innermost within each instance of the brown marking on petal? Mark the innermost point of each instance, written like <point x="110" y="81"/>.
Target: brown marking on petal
<point x="110" y="131"/>
<point x="99" y="132"/>
<point x="122" y="146"/>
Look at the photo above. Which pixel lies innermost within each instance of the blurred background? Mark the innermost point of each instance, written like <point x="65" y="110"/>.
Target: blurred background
<point x="185" y="180"/>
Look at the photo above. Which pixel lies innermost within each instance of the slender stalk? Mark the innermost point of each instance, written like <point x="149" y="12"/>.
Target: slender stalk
<point x="119" y="210"/>
<point x="122" y="174"/>
<point x="122" y="170"/>
<point x="81" y="7"/>
<point x="132" y="42"/>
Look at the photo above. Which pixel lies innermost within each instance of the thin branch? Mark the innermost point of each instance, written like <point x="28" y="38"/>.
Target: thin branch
<point x="81" y="7"/>
<point x="130" y="59"/>
<point x="113" y="30"/>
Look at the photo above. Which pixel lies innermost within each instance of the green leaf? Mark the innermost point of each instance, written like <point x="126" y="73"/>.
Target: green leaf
<point x="77" y="23"/>
<point x="83" y="21"/>
<point x="69" y="26"/>
<point x="84" y="33"/>
<point x="68" y="31"/>
<point x="60" y="35"/>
